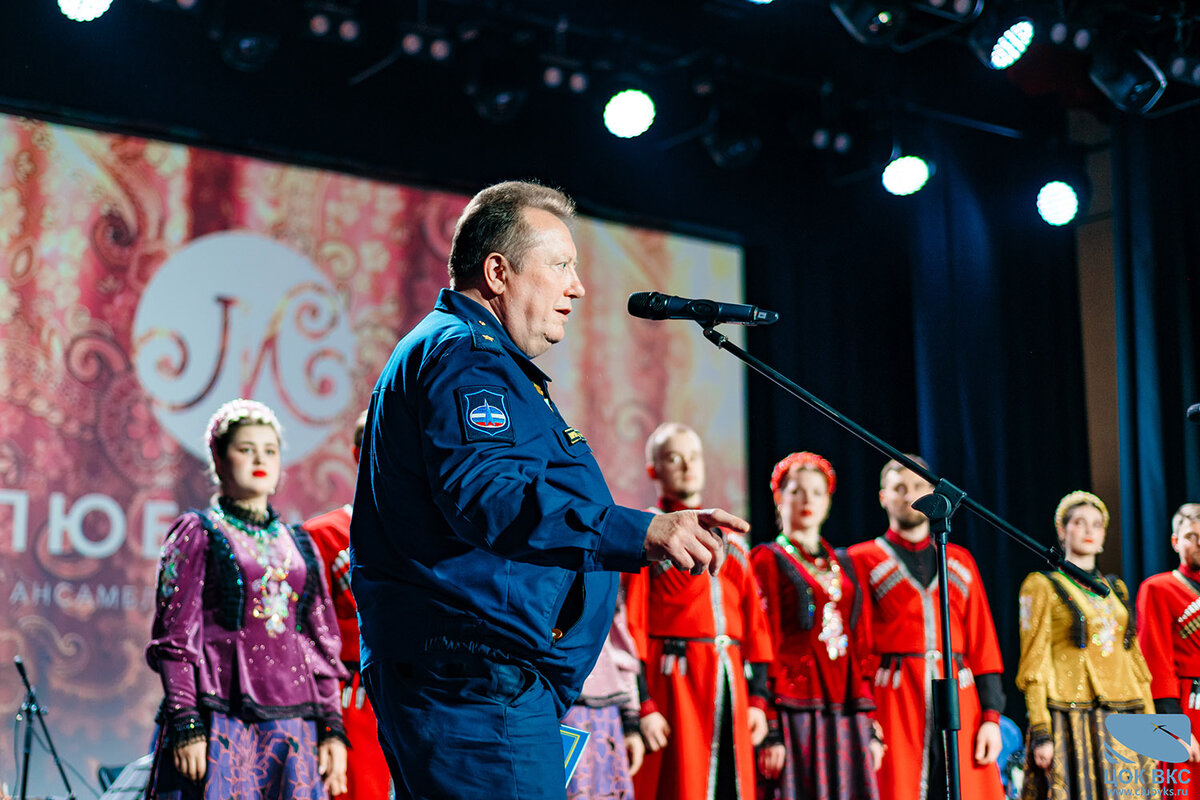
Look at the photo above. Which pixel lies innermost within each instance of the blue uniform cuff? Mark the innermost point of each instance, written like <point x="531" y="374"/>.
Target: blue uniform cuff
<point x="623" y="539"/>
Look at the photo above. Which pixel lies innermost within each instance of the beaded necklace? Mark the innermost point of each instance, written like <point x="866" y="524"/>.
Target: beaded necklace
<point x="275" y="593"/>
<point x="1105" y="636"/>
<point x="833" y="628"/>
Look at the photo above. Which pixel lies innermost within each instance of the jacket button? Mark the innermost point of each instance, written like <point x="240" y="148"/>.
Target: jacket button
<point x="555" y="634"/>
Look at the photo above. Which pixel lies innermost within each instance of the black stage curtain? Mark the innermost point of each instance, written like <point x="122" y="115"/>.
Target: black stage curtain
<point x="948" y="323"/>
<point x="1156" y="172"/>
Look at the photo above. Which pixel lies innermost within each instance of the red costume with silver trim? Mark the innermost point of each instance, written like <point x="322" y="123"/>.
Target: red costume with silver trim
<point x="1168" y="609"/>
<point x="906" y="632"/>
<point x="367" y="774"/>
<point x="723" y="625"/>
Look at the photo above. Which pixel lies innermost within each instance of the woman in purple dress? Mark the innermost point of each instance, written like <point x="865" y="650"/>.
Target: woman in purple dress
<point x="245" y="637"/>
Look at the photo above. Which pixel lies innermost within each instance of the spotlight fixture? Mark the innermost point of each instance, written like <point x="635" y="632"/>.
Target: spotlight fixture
<point x="872" y="23"/>
<point x="999" y="40"/>
<point x="1127" y="76"/>
<point x="248" y="51"/>
<point x="731" y="141"/>
<point x="629" y="113"/>
<point x="564" y="76"/>
<point x="496" y="101"/>
<point x="1185" y="69"/>
<point x="905" y="175"/>
<point x="1057" y="203"/>
<point x="83" y="10"/>
<point x="332" y="22"/>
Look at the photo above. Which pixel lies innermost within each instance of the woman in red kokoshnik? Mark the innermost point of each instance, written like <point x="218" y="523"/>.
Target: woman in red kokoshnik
<point x="823" y="742"/>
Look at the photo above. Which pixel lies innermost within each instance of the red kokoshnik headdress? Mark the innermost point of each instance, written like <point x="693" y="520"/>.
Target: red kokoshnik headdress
<point x="804" y="460"/>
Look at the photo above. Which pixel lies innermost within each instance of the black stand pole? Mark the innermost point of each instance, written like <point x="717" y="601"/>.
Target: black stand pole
<point x="30" y="709"/>
<point x="938" y="507"/>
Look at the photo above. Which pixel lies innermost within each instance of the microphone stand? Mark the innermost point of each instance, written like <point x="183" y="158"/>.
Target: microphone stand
<point x="939" y="507"/>
<point x="30" y="708"/>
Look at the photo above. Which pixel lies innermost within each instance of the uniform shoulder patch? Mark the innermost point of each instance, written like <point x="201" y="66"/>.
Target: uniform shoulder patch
<point x="484" y="414"/>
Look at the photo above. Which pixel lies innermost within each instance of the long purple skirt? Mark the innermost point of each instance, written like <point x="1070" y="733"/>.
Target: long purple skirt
<point x="275" y="760"/>
<point x="828" y="758"/>
<point x="603" y="769"/>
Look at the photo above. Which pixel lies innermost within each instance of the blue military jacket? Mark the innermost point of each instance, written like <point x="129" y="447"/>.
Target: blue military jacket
<point x="480" y="515"/>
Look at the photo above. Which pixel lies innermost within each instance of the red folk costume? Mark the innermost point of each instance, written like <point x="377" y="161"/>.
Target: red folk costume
<point x="696" y="635"/>
<point x="367" y="775"/>
<point x="819" y="626"/>
<point x="1168" y="609"/>
<point x="905" y="637"/>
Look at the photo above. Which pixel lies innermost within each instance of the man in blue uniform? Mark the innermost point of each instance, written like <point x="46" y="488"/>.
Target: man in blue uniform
<point x="484" y="536"/>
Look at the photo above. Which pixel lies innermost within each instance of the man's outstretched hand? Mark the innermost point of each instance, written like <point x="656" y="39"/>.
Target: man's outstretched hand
<point x="687" y="538"/>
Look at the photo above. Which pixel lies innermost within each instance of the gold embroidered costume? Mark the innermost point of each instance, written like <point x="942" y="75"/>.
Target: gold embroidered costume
<point x="1080" y="661"/>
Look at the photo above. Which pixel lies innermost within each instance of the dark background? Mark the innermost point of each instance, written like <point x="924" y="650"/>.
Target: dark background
<point x="947" y="322"/>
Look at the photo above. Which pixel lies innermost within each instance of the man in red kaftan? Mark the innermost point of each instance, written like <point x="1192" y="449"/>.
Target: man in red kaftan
<point x="900" y="570"/>
<point x="1168" y="618"/>
<point x="367" y="775"/>
<point x="703" y="716"/>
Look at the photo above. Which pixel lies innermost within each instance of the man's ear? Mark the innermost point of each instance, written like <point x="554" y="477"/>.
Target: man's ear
<point x="652" y="472"/>
<point x="496" y="269"/>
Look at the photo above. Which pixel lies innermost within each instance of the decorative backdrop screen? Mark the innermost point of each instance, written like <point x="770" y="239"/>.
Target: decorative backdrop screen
<point x="143" y="283"/>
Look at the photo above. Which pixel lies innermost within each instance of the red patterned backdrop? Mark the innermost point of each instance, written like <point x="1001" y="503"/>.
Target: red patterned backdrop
<point x="144" y="283"/>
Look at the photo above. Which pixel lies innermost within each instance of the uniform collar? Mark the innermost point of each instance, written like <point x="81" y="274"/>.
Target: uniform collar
<point x="669" y="505"/>
<point x="913" y="547"/>
<point x="483" y="324"/>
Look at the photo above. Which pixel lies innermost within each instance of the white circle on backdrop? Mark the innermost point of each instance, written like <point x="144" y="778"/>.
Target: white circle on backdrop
<point x="236" y="314"/>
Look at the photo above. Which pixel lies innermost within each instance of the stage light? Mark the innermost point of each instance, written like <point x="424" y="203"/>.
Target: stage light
<point x="731" y="141"/>
<point x="1185" y="69"/>
<point x="871" y="23"/>
<point x="249" y="52"/>
<point x="629" y="113"/>
<point x="83" y="10"/>
<point x="1057" y="202"/>
<point x="999" y="40"/>
<point x="1127" y="76"/>
<point x="498" y="103"/>
<point x="332" y="22"/>
<point x="905" y="175"/>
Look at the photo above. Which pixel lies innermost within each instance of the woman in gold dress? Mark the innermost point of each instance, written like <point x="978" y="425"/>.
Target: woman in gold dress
<point x="1080" y="662"/>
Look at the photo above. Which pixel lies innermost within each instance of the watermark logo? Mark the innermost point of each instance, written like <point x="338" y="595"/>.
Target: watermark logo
<point x="1162" y="737"/>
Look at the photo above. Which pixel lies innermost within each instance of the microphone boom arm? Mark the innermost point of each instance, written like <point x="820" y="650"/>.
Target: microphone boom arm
<point x="1055" y="558"/>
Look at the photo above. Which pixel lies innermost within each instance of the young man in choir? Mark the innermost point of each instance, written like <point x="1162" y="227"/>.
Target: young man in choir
<point x="900" y="569"/>
<point x="1168" y="609"/>
<point x="696" y="634"/>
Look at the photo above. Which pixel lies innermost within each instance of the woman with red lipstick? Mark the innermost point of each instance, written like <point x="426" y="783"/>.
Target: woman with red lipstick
<point x="245" y="637"/>
<point x="1080" y="662"/>
<point x="823" y="742"/>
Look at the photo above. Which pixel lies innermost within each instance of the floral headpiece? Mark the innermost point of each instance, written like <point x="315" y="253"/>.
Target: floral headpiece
<point x="1076" y="498"/>
<point x="804" y="460"/>
<point x="241" y="410"/>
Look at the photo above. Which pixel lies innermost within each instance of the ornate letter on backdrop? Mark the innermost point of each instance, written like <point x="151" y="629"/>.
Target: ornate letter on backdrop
<point x="142" y="284"/>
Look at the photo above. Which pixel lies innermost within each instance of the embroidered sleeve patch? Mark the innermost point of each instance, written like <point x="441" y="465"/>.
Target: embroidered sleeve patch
<point x="484" y="414"/>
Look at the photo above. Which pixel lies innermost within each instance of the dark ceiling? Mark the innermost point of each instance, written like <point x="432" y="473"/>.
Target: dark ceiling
<point x="774" y="72"/>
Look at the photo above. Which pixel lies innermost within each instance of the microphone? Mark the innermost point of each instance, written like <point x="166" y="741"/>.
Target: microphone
<point x="1193" y="412"/>
<point x="655" y="305"/>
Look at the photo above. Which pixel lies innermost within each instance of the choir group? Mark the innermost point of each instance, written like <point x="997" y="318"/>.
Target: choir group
<point x="798" y="671"/>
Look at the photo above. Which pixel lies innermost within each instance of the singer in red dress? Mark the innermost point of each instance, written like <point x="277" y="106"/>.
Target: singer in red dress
<point x="697" y="635"/>
<point x="900" y="570"/>
<point x="823" y="742"/>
